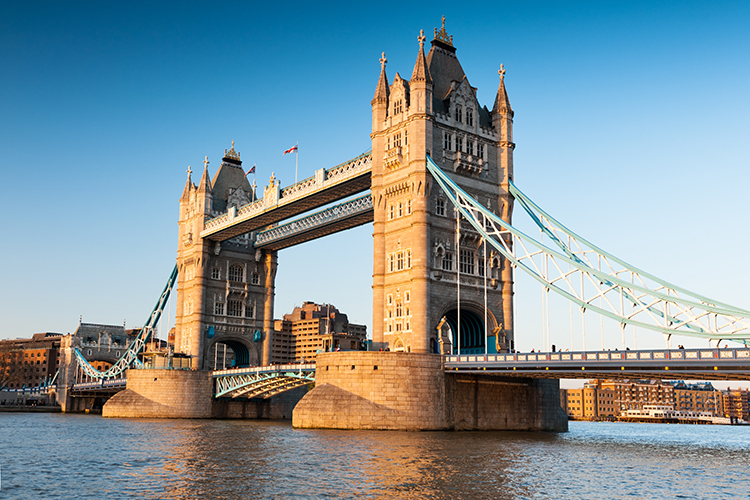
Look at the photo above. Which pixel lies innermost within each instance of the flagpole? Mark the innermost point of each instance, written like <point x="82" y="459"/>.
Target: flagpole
<point x="296" y="161"/>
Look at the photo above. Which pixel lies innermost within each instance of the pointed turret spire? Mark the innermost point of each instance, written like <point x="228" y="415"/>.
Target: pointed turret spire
<point x="383" y="90"/>
<point x="205" y="184"/>
<point x="502" y="103"/>
<point x="421" y="71"/>
<point x="188" y="185"/>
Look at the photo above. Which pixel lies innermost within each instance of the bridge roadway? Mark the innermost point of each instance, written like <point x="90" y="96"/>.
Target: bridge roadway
<point x="673" y="364"/>
<point x="277" y="204"/>
<point x="678" y="364"/>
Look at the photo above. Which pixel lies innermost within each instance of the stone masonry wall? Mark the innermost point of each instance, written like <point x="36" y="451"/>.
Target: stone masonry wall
<point x="375" y="390"/>
<point x="491" y="403"/>
<point x="163" y="394"/>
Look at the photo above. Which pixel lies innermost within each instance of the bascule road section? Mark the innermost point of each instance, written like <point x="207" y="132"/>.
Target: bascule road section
<point x="277" y="204"/>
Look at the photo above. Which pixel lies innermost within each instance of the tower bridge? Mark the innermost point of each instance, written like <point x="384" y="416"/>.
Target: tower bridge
<point x="438" y="187"/>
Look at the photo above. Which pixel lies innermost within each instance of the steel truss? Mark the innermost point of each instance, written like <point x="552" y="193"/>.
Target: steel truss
<point x="130" y="357"/>
<point x="594" y="279"/>
<point x="262" y="382"/>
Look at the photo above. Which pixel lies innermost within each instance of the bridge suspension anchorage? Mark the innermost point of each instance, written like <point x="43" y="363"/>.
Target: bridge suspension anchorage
<point x="130" y="357"/>
<point x="593" y="279"/>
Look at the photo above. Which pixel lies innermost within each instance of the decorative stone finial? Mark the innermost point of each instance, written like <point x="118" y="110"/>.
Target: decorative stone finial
<point x="234" y="155"/>
<point x="421" y="39"/>
<point x="383" y="60"/>
<point x="206" y="162"/>
<point x="189" y="170"/>
<point x="273" y="179"/>
<point x="501" y="72"/>
<point x="443" y="36"/>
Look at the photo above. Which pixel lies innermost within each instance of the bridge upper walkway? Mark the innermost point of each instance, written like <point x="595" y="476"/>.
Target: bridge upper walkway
<point x="277" y="204"/>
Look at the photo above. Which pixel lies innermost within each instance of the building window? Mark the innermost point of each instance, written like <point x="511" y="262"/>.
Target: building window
<point x="255" y="279"/>
<point x="459" y="114"/>
<point x="448" y="142"/>
<point x="390" y="299"/>
<point x="219" y="308"/>
<point x="470" y="145"/>
<point x="480" y="153"/>
<point x="408" y="206"/>
<point x="399" y="310"/>
<point x="392" y="212"/>
<point x="406" y="137"/>
<point x="448" y="261"/>
<point x="466" y="261"/>
<point x="236" y="273"/>
<point x="469" y="117"/>
<point x="215" y="273"/>
<point x="440" y="207"/>
<point x="250" y="311"/>
<point x="407" y="296"/>
<point x="400" y="209"/>
<point x="400" y="261"/>
<point x="459" y="143"/>
<point x="234" y="308"/>
<point x="390" y="262"/>
<point x="398" y="106"/>
<point x="408" y="259"/>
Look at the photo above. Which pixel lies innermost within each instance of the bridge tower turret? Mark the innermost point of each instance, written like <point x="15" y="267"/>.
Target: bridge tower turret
<point x="417" y="260"/>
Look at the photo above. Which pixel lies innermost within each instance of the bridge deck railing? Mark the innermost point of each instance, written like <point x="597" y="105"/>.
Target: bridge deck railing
<point x="698" y="356"/>
<point x="263" y="369"/>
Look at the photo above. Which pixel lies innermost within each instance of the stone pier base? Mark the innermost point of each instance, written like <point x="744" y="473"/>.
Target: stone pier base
<point x="189" y="394"/>
<point x="409" y="391"/>
<point x="163" y="394"/>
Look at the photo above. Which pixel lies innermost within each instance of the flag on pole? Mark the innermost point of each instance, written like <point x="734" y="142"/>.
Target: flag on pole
<point x="293" y="149"/>
<point x="251" y="171"/>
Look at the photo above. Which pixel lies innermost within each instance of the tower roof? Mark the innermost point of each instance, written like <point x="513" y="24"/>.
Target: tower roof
<point x="229" y="177"/>
<point x="382" y="90"/>
<point x="421" y="73"/>
<point x="502" y="103"/>
<point x="443" y="67"/>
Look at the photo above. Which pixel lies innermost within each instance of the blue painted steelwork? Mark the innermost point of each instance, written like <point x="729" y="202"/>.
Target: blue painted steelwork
<point x="130" y="356"/>
<point x="262" y="381"/>
<point x="656" y="304"/>
<point x="710" y="364"/>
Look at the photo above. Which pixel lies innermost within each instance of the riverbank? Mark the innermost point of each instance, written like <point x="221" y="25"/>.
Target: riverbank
<point x="30" y="409"/>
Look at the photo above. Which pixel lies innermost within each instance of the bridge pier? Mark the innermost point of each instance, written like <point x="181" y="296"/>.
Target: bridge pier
<point x="411" y="391"/>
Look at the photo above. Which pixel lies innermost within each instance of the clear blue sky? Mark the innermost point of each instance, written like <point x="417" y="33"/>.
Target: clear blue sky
<point x="631" y="128"/>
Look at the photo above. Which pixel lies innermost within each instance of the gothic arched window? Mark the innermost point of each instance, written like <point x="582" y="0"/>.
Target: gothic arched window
<point x="236" y="273"/>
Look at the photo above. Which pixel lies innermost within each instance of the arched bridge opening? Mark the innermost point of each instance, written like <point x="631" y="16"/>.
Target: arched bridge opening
<point x="229" y="353"/>
<point x="470" y="337"/>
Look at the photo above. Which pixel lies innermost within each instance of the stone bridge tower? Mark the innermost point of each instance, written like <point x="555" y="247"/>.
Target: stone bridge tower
<point x="417" y="259"/>
<point x="225" y="289"/>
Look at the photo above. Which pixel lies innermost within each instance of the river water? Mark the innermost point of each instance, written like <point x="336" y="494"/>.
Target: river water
<point x="88" y="457"/>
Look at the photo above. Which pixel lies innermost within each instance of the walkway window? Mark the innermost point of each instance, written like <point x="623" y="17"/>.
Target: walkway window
<point x="236" y="273"/>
